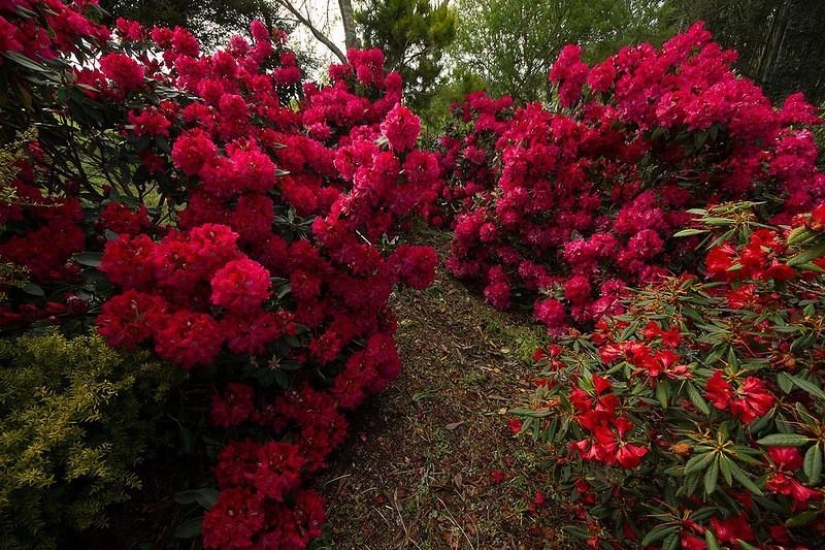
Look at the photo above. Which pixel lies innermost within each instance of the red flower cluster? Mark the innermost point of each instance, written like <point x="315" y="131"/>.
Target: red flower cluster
<point x="700" y="401"/>
<point x="597" y="414"/>
<point x="568" y="219"/>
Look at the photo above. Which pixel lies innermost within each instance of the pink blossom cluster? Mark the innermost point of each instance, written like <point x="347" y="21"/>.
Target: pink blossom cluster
<point x="586" y="195"/>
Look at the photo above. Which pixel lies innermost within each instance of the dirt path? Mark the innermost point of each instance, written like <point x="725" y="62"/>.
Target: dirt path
<point x="431" y="463"/>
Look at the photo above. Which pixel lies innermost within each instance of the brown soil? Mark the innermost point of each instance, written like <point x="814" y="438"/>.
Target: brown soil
<point x="424" y="461"/>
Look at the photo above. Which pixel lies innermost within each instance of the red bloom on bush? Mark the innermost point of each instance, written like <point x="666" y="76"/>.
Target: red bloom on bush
<point x="149" y="122"/>
<point x="130" y="318"/>
<point x="241" y="286"/>
<point x="192" y="150"/>
<point x="234" y="406"/>
<point x="752" y="400"/>
<point x="234" y="521"/>
<point x="122" y="219"/>
<point x="416" y="265"/>
<point x="577" y="290"/>
<point x="719" y="391"/>
<point x="401" y="128"/>
<point x="785" y="484"/>
<point x="570" y="73"/>
<point x="188" y="339"/>
<point x="122" y="70"/>
<point x="732" y="529"/>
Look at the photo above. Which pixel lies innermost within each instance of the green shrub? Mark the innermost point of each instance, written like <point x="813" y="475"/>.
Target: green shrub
<point x="75" y="420"/>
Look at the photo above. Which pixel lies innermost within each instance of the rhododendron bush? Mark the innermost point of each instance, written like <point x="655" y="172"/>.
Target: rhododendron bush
<point x="582" y="197"/>
<point x="245" y="219"/>
<point x="694" y="420"/>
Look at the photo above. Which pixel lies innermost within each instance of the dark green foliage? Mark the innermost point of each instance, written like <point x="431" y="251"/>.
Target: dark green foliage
<point x="75" y="421"/>
<point x="413" y="35"/>
<point x="209" y="19"/>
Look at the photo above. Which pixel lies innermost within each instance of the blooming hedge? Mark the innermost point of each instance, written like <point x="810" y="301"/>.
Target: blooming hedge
<point x="585" y="194"/>
<point x="246" y="221"/>
<point x="694" y="420"/>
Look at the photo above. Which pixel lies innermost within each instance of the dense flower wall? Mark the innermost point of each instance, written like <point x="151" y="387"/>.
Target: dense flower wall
<point x="246" y="221"/>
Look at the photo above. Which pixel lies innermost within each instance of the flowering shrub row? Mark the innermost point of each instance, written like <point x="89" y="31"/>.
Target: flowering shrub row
<point x="584" y="196"/>
<point x="468" y="154"/>
<point x="695" y="419"/>
<point x="248" y="224"/>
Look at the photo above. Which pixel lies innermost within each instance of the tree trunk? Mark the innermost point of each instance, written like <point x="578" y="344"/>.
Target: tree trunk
<point x="348" y="19"/>
<point x="776" y="38"/>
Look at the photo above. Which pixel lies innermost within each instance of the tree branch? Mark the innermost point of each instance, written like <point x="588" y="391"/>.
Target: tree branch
<point x="321" y="37"/>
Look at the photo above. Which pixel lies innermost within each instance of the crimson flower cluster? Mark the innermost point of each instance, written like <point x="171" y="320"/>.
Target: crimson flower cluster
<point x="697" y="414"/>
<point x="579" y="200"/>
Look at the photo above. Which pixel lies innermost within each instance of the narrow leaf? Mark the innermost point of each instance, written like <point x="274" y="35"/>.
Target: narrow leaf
<point x="801" y="519"/>
<point x="698" y="463"/>
<point x="809" y="387"/>
<point x="189" y="529"/>
<point x="658" y="533"/>
<point x="724" y="465"/>
<point x="813" y="464"/>
<point x="784" y="440"/>
<point x="711" y="476"/>
<point x="33" y="289"/>
<point x="690" y="232"/>
<point x="740" y="476"/>
<point x="711" y="541"/>
<point x="697" y="399"/>
<point x="89" y="259"/>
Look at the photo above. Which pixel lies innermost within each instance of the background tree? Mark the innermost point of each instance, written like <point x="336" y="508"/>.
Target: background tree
<point x="413" y="35"/>
<point x="779" y="42"/>
<point x="211" y="20"/>
<point x="511" y="44"/>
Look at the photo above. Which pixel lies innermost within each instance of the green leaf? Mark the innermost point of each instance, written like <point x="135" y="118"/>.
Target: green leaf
<point x="690" y="232"/>
<point x="717" y="221"/>
<point x="671" y="542"/>
<point x="800" y="235"/>
<point x="206" y="497"/>
<point x="802" y="343"/>
<point x="809" y="387"/>
<point x="784" y="440"/>
<point x="25" y="61"/>
<point x="812" y="465"/>
<point x="33" y="289"/>
<point x="697" y="399"/>
<point x="658" y="533"/>
<point x="740" y="476"/>
<point x="698" y="463"/>
<point x="189" y="529"/>
<point x="812" y="253"/>
<point x="89" y="259"/>
<point x="699" y="138"/>
<point x="724" y="465"/>
<point x="711" y="476"/>
<point x="577" y="532"/>
<point x="801" y="519"/>
<point x="711" y="541"/>
<point x="784" y="381"/>
<point x="662" y="393"/>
